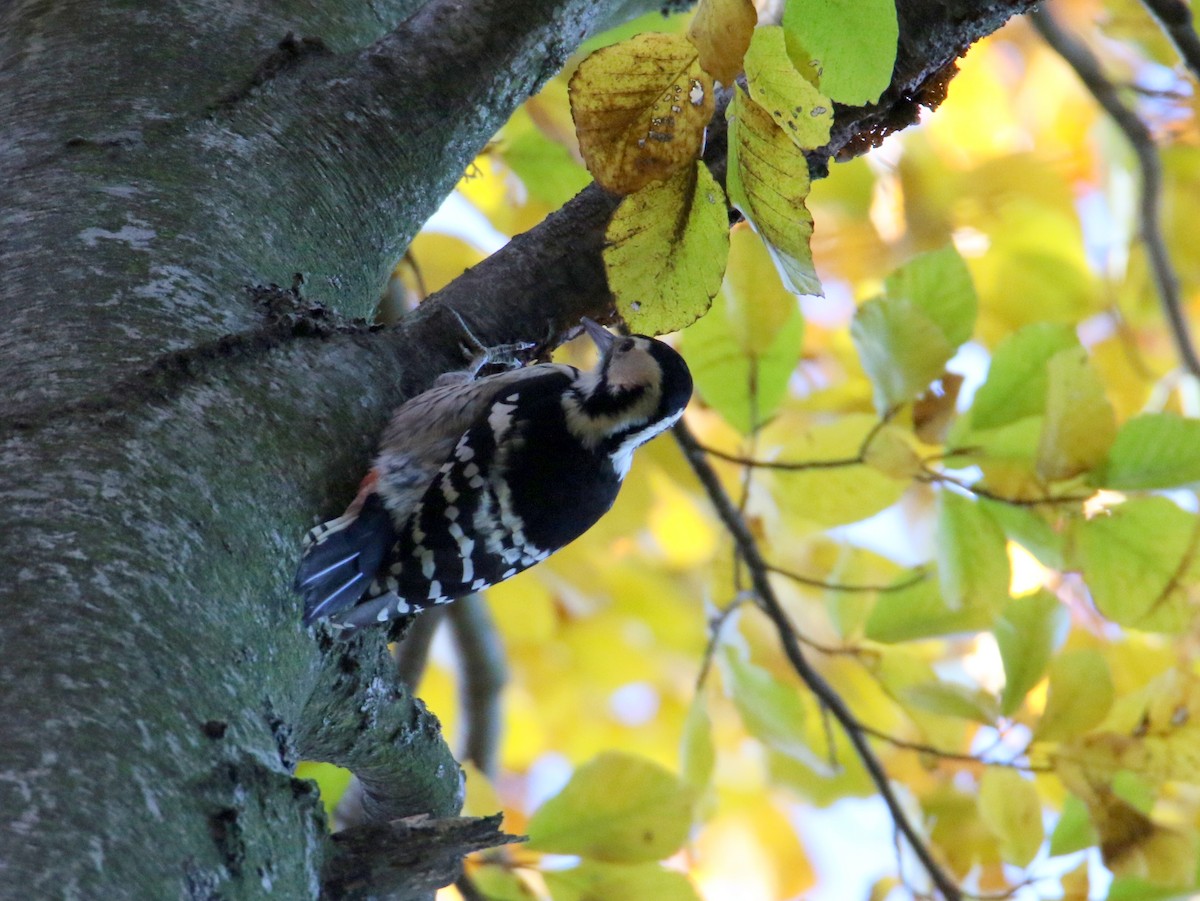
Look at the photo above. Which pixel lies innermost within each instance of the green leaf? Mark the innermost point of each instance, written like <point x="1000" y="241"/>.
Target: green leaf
<point x="919" y="611"/>
<point x="698" y="754"/>
<point x="1080" y="425"/>
<point x="768" y="181"/>
<point x="667" y="248"/>
<point x="591" y="881"/>
<point x="902" y="350"/>
<point x="803" y="112"/>
<point x="1139" y="562"/>
<point x="850" y="43"/>
<point x="617" y="808"/>
<point x="1028" y="633"/>
<point x="1028" y="527"/>
<point x="950" y="699"/>
<point x="1081" y="693"/>
<point x="1074" y="830"/>
<point x="1157" y="450"/>
<point x="771" y="711"/>
<point x="972" y="555"/>
<point x="939" y="283"/>
<point x="545" y="167"/>
<point x="746" y="389"/>
<point x="1011" y="809"/>
<point x="1016" y="381"/>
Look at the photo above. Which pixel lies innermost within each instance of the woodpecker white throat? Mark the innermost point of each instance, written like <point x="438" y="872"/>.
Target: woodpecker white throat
<point x="479" y="479"/>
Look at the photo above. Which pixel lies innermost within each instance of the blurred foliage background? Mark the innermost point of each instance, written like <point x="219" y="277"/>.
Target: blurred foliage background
<point x="1002" y="581"/>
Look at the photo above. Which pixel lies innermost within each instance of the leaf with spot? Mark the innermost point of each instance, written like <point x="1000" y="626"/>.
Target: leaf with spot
<point x="617" y="808"/>
<point x="768" y="181"/>
<point x="799" y="109"/>
<point x="640" y="109"/>
<point x="667" y="248"/>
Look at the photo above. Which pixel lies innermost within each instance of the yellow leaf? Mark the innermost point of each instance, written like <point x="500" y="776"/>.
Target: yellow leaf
<point x="1080" y="425"/>
<point x="768" y="181"/>
<point x="617" y="808"/>
<point x="1080" y="695"/>
<point x="481" y="799"/>
<point x="592" y="881"/>
<point x="826" y="495"/>
<point x="799" y="109"/>
<point x="640" y="110"/>
<point x="721" y="31"/>
<point x="697" y="752"/>
<point x="1010" y="806"/>
<point x="666" y="253"/>
<point x="758" y="306"/>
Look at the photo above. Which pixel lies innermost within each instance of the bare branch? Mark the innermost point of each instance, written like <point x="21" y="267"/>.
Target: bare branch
<point x="825" y="693"/>
<point x="1175" y="17"/>
<point x="1166" y="282"/>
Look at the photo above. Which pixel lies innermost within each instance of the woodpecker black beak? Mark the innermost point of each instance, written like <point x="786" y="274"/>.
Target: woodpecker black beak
<point x="600" y="336"/>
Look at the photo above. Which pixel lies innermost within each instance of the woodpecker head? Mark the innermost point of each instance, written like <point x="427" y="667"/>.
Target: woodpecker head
<point x="638" y="389"/>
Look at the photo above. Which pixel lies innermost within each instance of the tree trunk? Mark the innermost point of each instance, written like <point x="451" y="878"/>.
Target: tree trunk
<point x="170" y="426"/>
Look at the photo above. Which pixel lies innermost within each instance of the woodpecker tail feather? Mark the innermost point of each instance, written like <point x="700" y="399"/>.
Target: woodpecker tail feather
<point x="341" y="559"/>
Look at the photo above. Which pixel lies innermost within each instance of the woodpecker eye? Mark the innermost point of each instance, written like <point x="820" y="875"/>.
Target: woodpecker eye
<point x="625" y="345"/>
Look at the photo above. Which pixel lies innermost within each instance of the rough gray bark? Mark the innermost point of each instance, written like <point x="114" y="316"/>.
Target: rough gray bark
<point x="166" y="433"/>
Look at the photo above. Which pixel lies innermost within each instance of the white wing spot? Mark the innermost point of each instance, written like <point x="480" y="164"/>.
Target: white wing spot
<point x="435" y="591"/>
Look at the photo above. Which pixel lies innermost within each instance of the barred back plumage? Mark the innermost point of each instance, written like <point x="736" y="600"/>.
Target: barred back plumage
<point x="478" y="480"/>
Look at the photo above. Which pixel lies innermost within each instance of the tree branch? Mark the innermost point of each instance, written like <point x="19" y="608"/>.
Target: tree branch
<point x="483" y="673"/>
<point x="1166" y="282"/>
<point x="747" y="549"/>
<point x="1175" y="18"/>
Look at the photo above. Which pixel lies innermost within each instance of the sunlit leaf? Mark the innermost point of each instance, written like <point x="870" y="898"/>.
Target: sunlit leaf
<point x="772" y="711"/>
<point x="1081" y="693"/>
<point x="545" y="167"/>
<point x="1010" y="806"/>
<point x="1140" y="562"/>
<point x="972" y="555"/>
<point x="745" y="388"/>
<point x="920" y="611"/>
<point x="721" y="31"/>
<point x="1073" y="831"/>
<point x="950" y="699"/>
<point x="803" y="112"/>
<point x="939" y="283"/>
<point x="640" y="109"/>
<point x="666" y="251"/>
<point x="1080" y="424"/>
<point x="617" y="808"/>
<point x="768" y="181"/>
<point x="1027" y="633"/>
<point x="901" y="348"/>
<point x="1017" y="378"/>
<point x="850" y="43"/>
<point x="697" y="752"/>
<point x="1157" y="450"/>
<point x="591" y="881"/>
<point x="500" y="883"/>
<point x="827" y="495"/>
<point x="759" y="306"/>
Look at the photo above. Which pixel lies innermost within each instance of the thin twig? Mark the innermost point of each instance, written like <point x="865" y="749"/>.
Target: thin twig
<point x="1175" y="18"/>
<point x="1166" y="282"/>
<point x="918" y="575"/>
<point x="929" y="476"/>
<point x="825" y="693"/>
